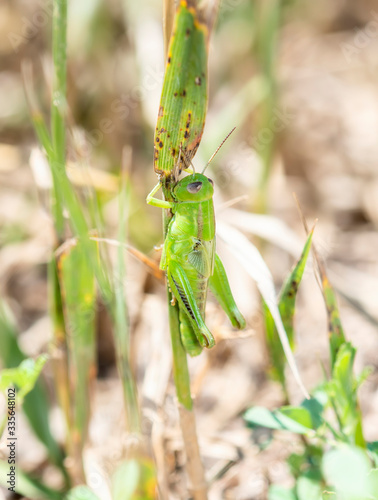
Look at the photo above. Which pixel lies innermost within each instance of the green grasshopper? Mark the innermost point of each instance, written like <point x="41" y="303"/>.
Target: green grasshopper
<point x="190" y="261"/>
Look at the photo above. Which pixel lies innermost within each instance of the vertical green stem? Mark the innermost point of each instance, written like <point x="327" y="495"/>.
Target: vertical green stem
<point x="269" y="12"/>
<point x="60" y="76"/>
<point x="180" y="362"/>
<point x="122" y="334"/>
<point x="58" y="104"/>
<point x="57" y="154"/>
<point x="195" y="470"/>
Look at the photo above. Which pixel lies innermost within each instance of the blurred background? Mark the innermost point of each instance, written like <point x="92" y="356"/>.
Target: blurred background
<point x="299" y="81"/>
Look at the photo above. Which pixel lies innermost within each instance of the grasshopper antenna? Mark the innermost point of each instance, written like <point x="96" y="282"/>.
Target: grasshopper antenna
<point x="216" y="151"/>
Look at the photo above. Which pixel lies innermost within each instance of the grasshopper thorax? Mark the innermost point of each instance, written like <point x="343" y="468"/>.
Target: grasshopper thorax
<point x="194" y="188"/>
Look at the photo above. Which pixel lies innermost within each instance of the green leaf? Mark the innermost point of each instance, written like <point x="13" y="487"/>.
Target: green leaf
<point x="297" y="462"/>
<point x="309" y="460"/>
<point x="250" y="258"/>
<point x="309" y="486"/>
<point x="134" y="480"/>
<point x="373" y="478"/>
<point x="315" y="408"/>
<point x="294" y="419"/>
<point x="35" y="404"/>
<point x="286" y="308"/>
<point x="335" y="329"/>
<point x="77" y="281"/>
<point x="373" y="451"/>
<point x="280" y="493"/>
<point x="343" y="370"/>
<point x="24" y="377"/>
<point x="343" y="390"/>
<point x="329" y="495"/>
<point x="361" y="377"/>
<point x="81" y="493"/>
<point x="298" y="414"/>
<point x="347" y="469"/>
<point x="289" y="290"/>
<point x="183" y="103"/>
<point x="125" y="480"/>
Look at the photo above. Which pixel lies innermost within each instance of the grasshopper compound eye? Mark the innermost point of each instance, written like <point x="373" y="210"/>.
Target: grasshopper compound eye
<point x="211" y="181"/>
<point x="194" y="187"/>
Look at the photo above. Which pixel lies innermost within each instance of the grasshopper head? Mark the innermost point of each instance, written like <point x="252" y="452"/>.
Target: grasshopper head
<point x="195" y="187"/>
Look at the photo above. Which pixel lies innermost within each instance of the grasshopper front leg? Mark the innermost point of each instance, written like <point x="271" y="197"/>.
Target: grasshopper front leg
<point x="181" y="289"/>
<point x="155" y="202"/>
<point x="220" y="287"/>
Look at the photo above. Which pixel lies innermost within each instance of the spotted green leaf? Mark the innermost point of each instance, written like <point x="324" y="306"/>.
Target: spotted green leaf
<point x="183" y="103"/>
<point x="335" y="329"/>
<point x="286" y="307"/>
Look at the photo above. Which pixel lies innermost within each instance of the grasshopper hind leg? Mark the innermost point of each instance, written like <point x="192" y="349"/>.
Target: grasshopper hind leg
<point x="182" y="290"/>
<point x="188" y="337"/>
<point x="220" y="287"/>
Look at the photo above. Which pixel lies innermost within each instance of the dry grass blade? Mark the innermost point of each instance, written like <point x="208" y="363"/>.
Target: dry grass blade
<point x="268" y="227"/>
<point x="149" y="263"/>
<point x="249" y="257"/>
<point x="168" y="16"/>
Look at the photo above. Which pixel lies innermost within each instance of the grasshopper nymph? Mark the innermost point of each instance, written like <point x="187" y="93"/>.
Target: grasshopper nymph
<point x="190" y="261"/>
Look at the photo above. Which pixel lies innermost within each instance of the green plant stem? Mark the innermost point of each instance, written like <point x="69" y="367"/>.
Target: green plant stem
<point x="195" y="470"/>
<point x="58" y="104"/>
<point x="121" y="329"/>
<point x="59" y="49"/>
<point x="268" y="15"/>
<point x="180" y="362"/>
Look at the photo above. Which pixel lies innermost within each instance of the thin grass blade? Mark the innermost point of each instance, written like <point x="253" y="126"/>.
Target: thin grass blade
<point x="249" y="257"/>
<point x="121" y="325"/>
<point x="77" y="282"/>
<point x="286" y="308"/>
<point x="335" y="329"/>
